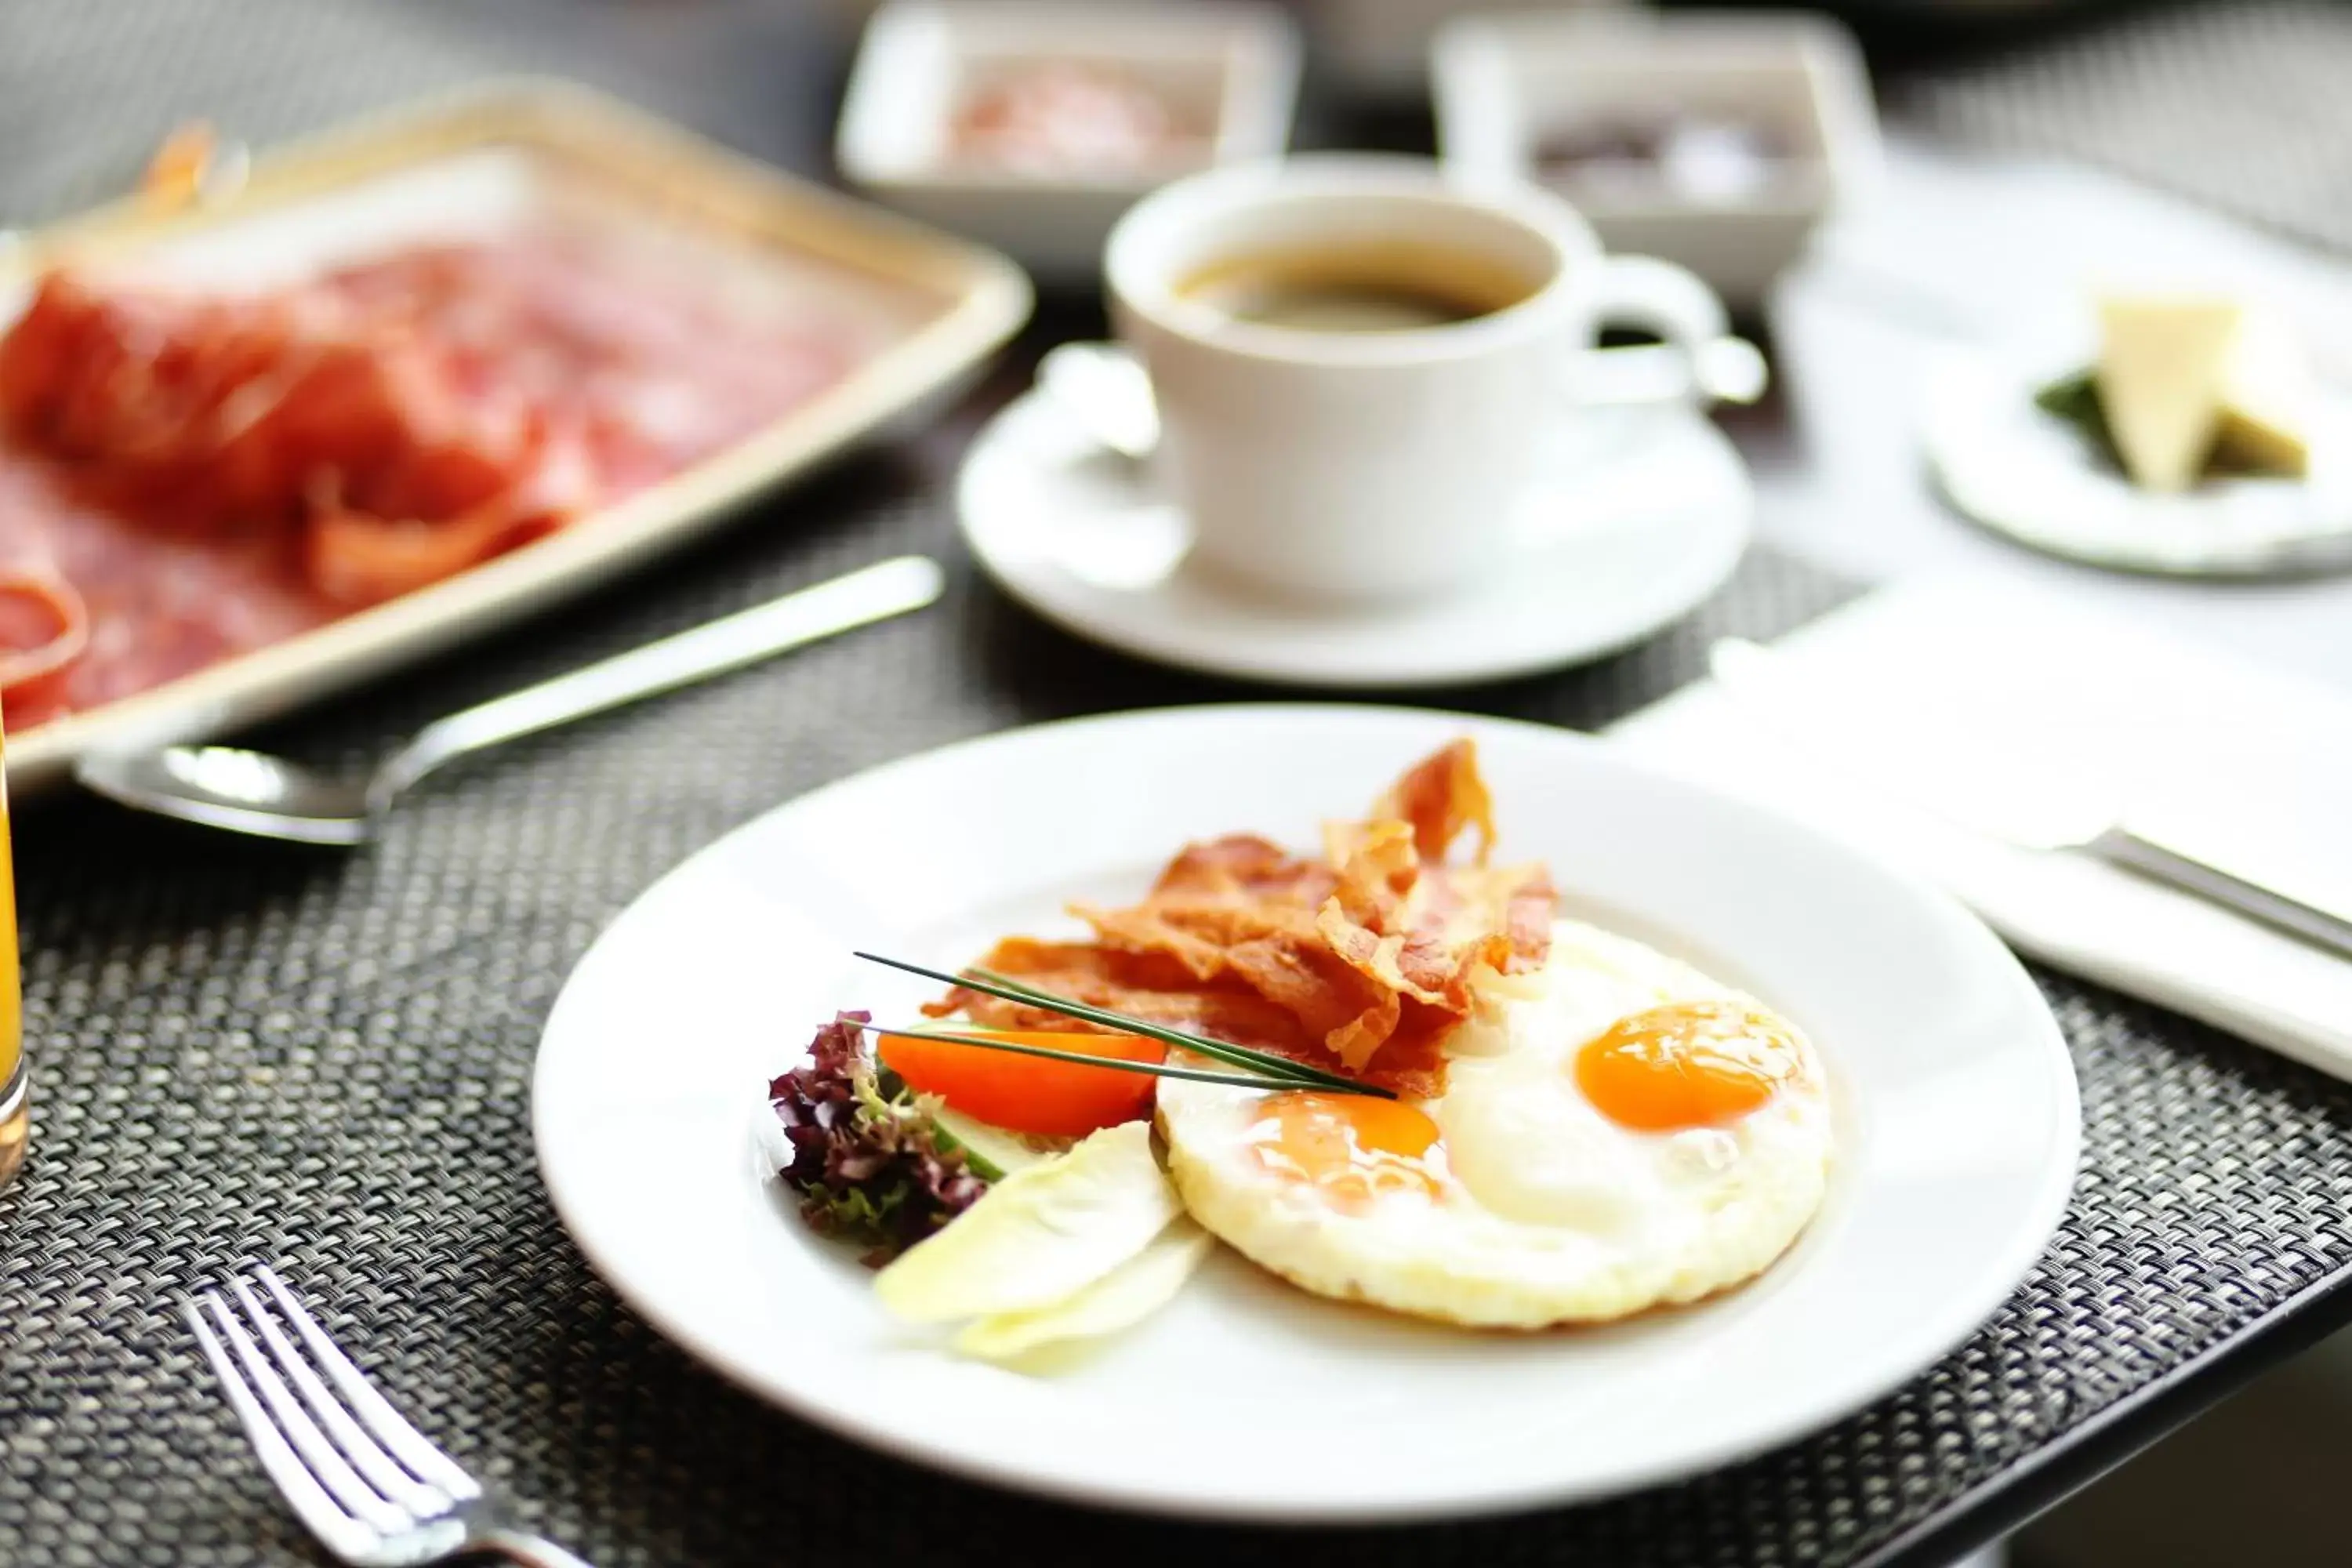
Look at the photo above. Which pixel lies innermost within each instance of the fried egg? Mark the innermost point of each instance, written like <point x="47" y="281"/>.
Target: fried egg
<point x="1617" y="1131"/>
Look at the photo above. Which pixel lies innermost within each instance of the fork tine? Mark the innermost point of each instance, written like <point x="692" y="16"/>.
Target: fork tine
<point x="331" y="1470"/>
<point x="339" y="1531"/>
<point x="423" y="1459"/>
<point x="366" y="1456"/>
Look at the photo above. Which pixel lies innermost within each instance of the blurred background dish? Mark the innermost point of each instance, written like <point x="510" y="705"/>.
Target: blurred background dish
<point x="1377" y="51"/>
<point x="1717" y="141"/>
<point x="657" y="328"/>
<point x="1033" y="124"/>
<point x="2015" y="468"/>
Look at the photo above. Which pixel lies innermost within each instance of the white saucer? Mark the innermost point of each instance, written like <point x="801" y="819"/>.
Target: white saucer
<point x="2020" y="472"/>
<point x="1648" y="515"/>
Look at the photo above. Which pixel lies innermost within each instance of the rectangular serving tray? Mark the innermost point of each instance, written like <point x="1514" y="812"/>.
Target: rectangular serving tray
<point x="466" y="165"/>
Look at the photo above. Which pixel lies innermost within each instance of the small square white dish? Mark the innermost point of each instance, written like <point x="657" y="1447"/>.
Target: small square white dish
<point x="1509" y="84"/>
<point x="1225" y="75"/>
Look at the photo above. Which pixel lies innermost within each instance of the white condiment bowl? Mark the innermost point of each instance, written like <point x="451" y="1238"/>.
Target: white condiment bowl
<point x="1508" y="83"/>
<point x="1228" y="71"/>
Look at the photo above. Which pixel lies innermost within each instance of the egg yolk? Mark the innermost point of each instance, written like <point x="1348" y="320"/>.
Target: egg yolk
<point x="1349" y="1147"/>
<point x="1692" y="1064"/>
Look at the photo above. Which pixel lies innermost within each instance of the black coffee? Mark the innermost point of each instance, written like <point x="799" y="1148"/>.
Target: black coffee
<point x="1366" y="289"/>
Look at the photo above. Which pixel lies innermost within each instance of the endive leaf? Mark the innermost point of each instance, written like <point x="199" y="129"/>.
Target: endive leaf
<point x="1121" y="1299"/>
<point x="1039" y="1236"/>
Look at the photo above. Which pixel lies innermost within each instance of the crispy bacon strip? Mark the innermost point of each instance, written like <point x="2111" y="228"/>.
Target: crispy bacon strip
<point x="1360" y="961"/>
<point x="1150" y="986"/>
<point x="1440" y="796"/>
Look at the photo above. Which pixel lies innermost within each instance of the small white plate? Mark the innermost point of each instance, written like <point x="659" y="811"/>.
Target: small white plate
<point x="1956" y="1119"/>
<point x="1645" y="516"/>
<point x="2008" y="465"/>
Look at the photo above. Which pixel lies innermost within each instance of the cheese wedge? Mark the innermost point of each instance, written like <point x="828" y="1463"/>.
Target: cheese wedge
<point x="2266" y="402"/>
<point x="2163" y="366"/>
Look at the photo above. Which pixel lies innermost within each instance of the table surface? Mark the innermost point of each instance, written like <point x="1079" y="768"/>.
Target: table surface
<point x="323" y="1061"/>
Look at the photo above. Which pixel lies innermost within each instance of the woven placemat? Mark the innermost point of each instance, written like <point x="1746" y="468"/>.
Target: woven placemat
<point x="2239" y="105"/>
<point x="323" y="1061"/>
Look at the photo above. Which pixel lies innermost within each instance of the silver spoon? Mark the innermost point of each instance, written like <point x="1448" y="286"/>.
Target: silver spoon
<point x="252" y="792"/>
<point x="1109" y="395"/>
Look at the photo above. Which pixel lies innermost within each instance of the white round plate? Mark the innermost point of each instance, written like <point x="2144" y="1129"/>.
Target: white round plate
<point x="1646" y="515"/>
<point x="2012" y="468"/>
<point x="1247" y="1398"/>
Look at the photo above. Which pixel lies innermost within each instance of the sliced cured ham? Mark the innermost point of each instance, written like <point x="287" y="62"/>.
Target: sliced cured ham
<point x="198" y="475"/>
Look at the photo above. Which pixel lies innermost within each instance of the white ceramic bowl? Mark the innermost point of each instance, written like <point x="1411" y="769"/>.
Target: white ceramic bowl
<point x="1230" y="67"/>
<point x="1507" y="81"/>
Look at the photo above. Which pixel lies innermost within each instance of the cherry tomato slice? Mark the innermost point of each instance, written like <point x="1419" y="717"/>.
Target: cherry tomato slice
<point x="1030" y="1094"/>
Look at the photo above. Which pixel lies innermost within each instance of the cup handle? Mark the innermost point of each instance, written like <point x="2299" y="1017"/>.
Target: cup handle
<point x="1652" y="296"/>
<point x="1662" y="297"/>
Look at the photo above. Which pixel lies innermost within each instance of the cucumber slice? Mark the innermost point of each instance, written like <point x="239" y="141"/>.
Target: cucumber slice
<point x="995" y="1152"/>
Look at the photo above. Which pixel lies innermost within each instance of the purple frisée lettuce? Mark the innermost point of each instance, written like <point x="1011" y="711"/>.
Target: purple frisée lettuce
<point x="870" y="1165"/>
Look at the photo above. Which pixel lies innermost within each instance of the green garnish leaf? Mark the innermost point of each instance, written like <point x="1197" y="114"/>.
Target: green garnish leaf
<point x="2076" y="399"/>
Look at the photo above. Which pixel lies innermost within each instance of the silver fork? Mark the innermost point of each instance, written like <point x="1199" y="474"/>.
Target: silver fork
<point x="368" y="1485"/>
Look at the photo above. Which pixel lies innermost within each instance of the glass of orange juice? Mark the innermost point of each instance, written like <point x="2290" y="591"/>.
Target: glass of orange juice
<point x="13" y="1117"/>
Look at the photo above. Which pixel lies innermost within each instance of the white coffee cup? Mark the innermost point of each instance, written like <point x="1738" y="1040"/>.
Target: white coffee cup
<point x="1356" y="467"/>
